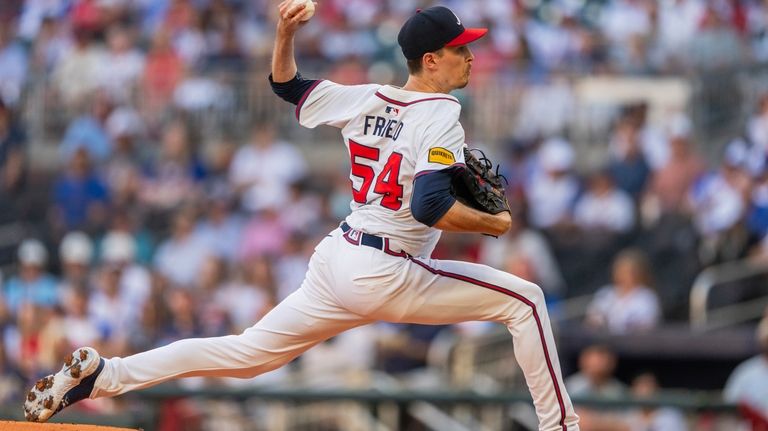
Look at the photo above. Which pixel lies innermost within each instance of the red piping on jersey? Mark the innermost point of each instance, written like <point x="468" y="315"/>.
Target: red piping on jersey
<point x="348" y="237"/>
<point x="304" y="97"/>
<point x="399" y="103"/>
<point x="389" y="250"/>
<point x="525" y="301"/>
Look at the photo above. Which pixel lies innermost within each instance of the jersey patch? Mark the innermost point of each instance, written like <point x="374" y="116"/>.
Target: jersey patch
<point x="441" y="155"/>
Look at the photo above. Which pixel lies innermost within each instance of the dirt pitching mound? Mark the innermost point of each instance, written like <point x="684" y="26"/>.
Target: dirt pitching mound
<point x="27" y="426"/>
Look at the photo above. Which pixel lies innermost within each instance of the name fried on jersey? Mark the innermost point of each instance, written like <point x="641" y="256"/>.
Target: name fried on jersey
<point x="382" y="127"/>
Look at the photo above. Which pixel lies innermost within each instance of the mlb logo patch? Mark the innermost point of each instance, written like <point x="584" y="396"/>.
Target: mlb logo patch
<point x="392" y="110"/>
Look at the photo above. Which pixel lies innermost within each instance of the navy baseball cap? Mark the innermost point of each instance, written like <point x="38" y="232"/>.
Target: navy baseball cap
<point x="434" y="28"/>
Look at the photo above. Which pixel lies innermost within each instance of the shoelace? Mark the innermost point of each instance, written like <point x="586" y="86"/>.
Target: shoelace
<point x="487" y="165"/>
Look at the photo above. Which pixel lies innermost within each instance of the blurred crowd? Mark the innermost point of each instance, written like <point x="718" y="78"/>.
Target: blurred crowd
<point x="149" y="231"/>
<point x="180" y="51"/>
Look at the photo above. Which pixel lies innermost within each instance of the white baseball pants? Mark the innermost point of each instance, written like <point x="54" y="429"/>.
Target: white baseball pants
<point x="350" y="285"/>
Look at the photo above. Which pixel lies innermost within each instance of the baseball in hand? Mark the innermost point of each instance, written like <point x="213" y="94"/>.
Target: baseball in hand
<point x="309" y="8"/>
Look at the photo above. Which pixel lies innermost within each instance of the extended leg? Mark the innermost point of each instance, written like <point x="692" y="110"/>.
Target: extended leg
<point x="444" y="292"/>
<point x="295" y="325"/>
<point x="288" y="330"/>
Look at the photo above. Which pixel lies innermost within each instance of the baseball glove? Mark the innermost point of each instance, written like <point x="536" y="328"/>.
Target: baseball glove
<point x="479" y="185"/>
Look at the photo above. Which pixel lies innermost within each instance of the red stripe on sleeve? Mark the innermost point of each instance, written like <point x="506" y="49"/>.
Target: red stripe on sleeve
<point x="304" y="98"/>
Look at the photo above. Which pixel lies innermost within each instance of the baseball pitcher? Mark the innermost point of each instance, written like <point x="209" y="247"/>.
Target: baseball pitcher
<point x="411" y="179"/>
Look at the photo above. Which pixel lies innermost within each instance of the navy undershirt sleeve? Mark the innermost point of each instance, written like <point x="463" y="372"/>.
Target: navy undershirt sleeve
<point x="431" y="197"/>
<point x="293" y="90"/>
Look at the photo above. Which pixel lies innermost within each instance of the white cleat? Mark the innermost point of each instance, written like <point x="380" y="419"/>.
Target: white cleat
<point x="74" y="382"/>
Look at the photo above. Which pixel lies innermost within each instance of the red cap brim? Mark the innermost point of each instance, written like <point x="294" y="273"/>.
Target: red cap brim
<point x="468" y="36"/>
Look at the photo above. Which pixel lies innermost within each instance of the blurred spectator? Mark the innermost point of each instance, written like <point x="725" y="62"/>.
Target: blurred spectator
<point x="179" y="14"/>
<point x="758" y="30"/>
<point x="604" y="217"/>
<point x="215" y="320"/>
<point x="88" y="131"/>
<point x="123" y="65"/>
<point x="183" y="321"/>
<point x="250" y="296"/>
<point x="180" y="257"/>
<point x="757" y="215"/>
<point x="626" y="24"/>
<point x="10" y="381"/>
<point x="108" y="312"/>
<point x="221" y="229"/>
<point x="13" y="65"/>
<point x="13" y="157"/>
<point x="344" y="41"/>
<point x="199" y="93"/>
<point x="597" y="364"/>
<point x="717" y="43"/>
<point x="403" y="347"/>
<point x="737" y="166"/>
<point x="76" y="255"/>
<point x="290" y="267"/>
<point x="603" y="208"/>
<point x="342" y="361"/>
<point x="521" y="243"/>
<point x="303" y="210"/>
<point x="50" y="45"/>
<point x="127" y="220"/>
<point x="32" y="285"/>
<point x="629" y="304"/>
<point x="87" y="15"/>
<point x="264" y="235"/>
<point x="80" y="198"/>
<point x="217" y="155"/>
<point x="757" y="127"/>
<point x="748" y="383"/>
<point x="646" y="387"/>
<point x="173" y="180"/>
<point x="553" y="189"/>
<point x="719" y="205"/>
<point x="133" y="281"/>
<point x="213" y="274"/>
<point x="628" y="165"/>
<point x="518" y="168"/>
<point x="622" y="20"/>
<point x="670" y="184"/>
<point x="653" y="138"/>
<point x="190" y="42"/>
<point x="263" y="170"/>
<point x="80" y="329"/>
<point x="35" y="12"/>
<point x="77" y="73"/>
<point x="152" y="319"/>
<point x="678" y="22"/>
<point x="23" y="341"/>
<point x="163" y="71"/>
<point x="338" y="203"/>
<point x="123" y="169"/>
<point x="549" y="44"/>
<point x="545" y="109"/>
<point x="229" y="58"/>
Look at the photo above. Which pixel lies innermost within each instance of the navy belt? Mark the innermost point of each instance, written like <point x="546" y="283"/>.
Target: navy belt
<point x="356" y="237"/>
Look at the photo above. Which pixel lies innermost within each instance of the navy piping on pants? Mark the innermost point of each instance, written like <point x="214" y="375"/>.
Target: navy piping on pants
<point x="524" y="301"/>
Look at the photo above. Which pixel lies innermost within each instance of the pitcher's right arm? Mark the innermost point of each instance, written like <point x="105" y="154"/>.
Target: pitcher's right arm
<point x="283" y="61"/>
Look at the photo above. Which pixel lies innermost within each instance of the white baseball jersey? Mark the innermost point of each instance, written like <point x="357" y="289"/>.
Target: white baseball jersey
<point x="392" y="135"/>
